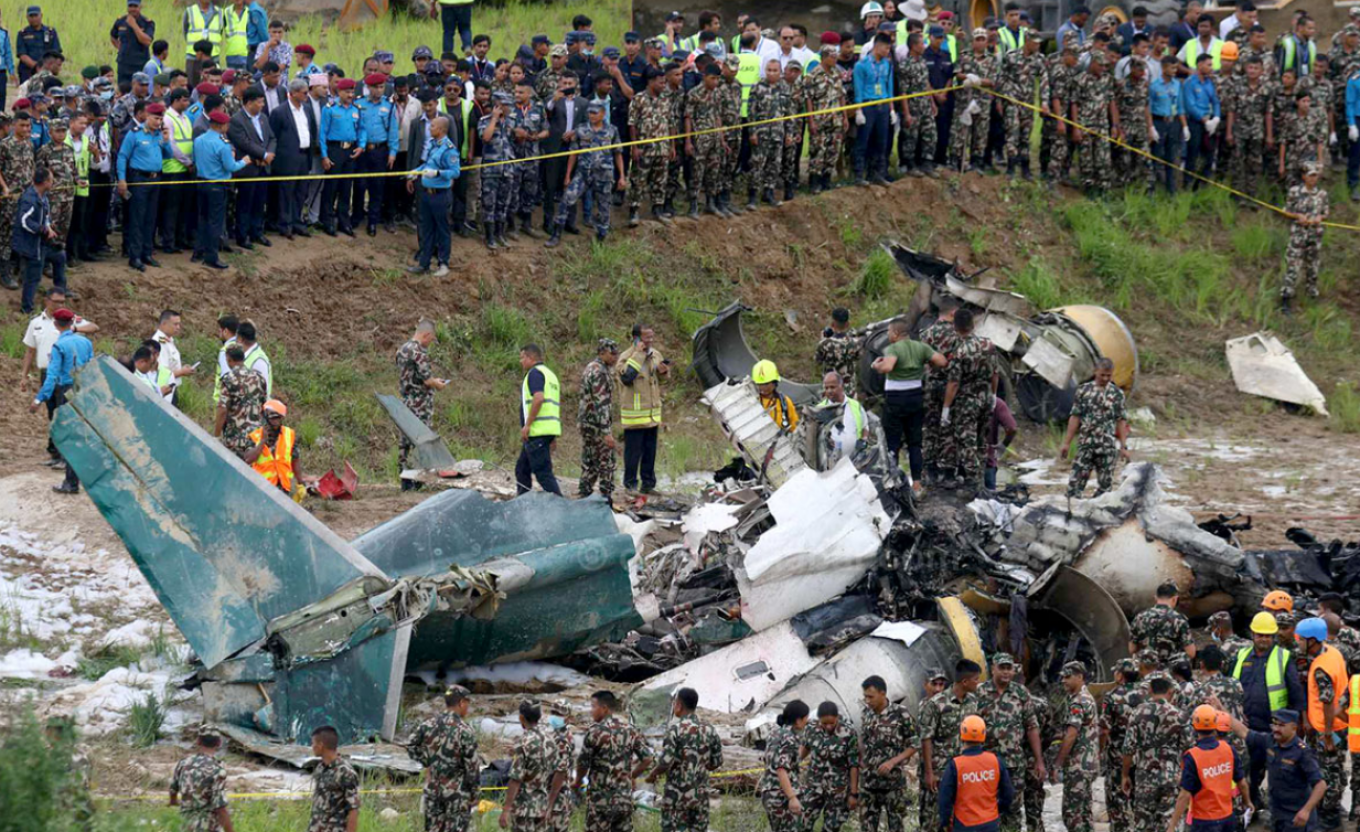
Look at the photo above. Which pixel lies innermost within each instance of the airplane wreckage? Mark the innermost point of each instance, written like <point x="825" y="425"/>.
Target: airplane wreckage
<point x="800" y="571"/>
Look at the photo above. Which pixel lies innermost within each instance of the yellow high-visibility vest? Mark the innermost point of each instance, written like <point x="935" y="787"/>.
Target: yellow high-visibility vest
<point x="234" y="42"/>
<point x="549" y="419"/>
<point x="182" y="134"/>
<point x="1012" y="42"/>
<point x="748" y="75"/>
<point x="1192" y="53"/>
<point x="1276" y="662"/>
<point x="1289" y="47"/>
<point x="202" y="27"/>
<point x="467" y="123"/>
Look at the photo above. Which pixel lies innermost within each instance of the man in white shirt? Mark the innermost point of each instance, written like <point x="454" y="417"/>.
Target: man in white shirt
<point x="41" y="334"/>
<point x="318" y="94"/>
<point x="165" y="336"/>
<point x="1244" y="17"/>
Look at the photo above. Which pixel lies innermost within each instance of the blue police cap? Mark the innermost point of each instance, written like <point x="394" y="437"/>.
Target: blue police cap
<point x="936" y="31"/>
<point x="631" y="37"/>
<point x="1286" y="715"/>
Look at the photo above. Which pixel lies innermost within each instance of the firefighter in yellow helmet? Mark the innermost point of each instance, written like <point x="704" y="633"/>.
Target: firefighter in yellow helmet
<point x="765" y="375"/>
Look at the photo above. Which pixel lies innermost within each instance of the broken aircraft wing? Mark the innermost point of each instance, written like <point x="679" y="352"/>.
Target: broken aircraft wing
<point x="431" y="452"/>
<point x="1262" y="366"/>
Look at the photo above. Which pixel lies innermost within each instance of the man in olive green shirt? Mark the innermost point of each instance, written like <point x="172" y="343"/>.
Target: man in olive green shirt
<point x="904" y="409"/>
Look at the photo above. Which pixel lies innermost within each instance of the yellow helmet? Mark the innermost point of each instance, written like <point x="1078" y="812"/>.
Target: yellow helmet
<point x="764" y="372"/>
<point x="1264" y="624"/>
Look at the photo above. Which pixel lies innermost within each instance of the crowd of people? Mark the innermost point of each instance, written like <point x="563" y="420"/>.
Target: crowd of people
<point x="257" y="136"/>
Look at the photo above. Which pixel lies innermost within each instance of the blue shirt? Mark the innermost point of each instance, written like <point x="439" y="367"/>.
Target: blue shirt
<point x="213" y="158"/>
<point x="40" y="135"/>
<point x="873" y="78"/>
<point x="71" y="352"/>
<point x="440" y="156"/>
<point x="257" y="26"/>
<point x="1199" y="98"/>
<point x="379" y="122"/>
<point x="1293" y="771"/>
<point x="144" y="151"/>
<point x="6" y="52"/>
<point x="1069" y="26"/>
<point x="1164" y="97"/>
<point x="342" y="124"/>
<point x="1352" y="99"/>
<point x="154" y="67"/>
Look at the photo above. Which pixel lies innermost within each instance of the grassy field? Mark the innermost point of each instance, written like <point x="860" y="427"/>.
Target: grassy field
<point x="84" y="26"/>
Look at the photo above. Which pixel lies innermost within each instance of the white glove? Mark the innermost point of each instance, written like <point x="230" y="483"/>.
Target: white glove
<point x="1353" y="133"/>
<point x="1156" y="137"/>
<point x="967" y="118"/>
<point x="971" y="80"/>
<point x="1185" y="134"/>
<point x="428" y="172"/>
<point x="975" y="107"/>
<point x="1210" y="125"/>
<point x="892" y="117"/>
<point x="1331" y="138"/>
<point x="944" y="418"/>
<point x="859" y="117"/>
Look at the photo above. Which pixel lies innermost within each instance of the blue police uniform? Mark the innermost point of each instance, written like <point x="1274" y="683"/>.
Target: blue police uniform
<point x="380" y="125"/>
<point x="1293" y="771"/>
<point x="6" y="63"/>
<point x="34" y="43"/>
<point x="873" y="82"/>
<point x="70" y="352"/>
<point x="436" y="198"/>
<point x="342" y="135"/>
<point x="139" y="160"/>
<point x="213" y="160"/>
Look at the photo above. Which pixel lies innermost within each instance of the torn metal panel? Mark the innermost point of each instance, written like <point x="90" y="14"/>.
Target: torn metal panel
<point x="431" y="452"/>
<point x="827" y="533"/>
<point x="1083" y="601"/>
<point x="376" y="757"/>
<point x="753" y="433"/>
<point x="1004" y="331"/>
<point x="1262" y="366"/>
<point x="721" y="354"/>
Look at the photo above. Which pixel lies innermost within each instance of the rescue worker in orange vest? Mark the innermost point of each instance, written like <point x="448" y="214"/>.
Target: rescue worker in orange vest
<point x="1208" y="773"/>
<point x="274" y="456"/>
<point x="975" y="790"/>
<point x="1325" y="726"/>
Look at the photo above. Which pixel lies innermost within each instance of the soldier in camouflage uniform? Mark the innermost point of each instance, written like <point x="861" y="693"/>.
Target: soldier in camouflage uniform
<point x="60" y="158"/>
<point x="731" y="115"/>
<point x="839" y="351"/>
<point x="767" y="101"/>
<point x="972" y="109"/>
<point x="1246" y="131"/>
<point x="1022" y="71"/>
<point x="1093" y="107"/>
<point x="793" y="104"/>
<point x="784" y="810"/>
<point x="1283" y="112"/>
<point x="528" y="125"/>
<point x="689" y="752"/>
<point x="240" y="406"/>
<point x="560" y="818"/>
<point x="597" y="172"/>
<point x="535" y="775"/>
<point x="199" y="788"/>
<point x="1012" y="727"/>
<point x="447" y="747"/>
<point x="496" y="179"/>
<point x="968" y="399"/>
<point x="916" y="138"/>
<point x="821" y="89"/>
<point x="1098" y="424"/>
<point x="1055" y="137"/>
<point x="547" y="82"/>
<point x="1221" y="628"/>
<point x="417" y="383"/>
<point x="1257" y="46"/>
<point x="936" y="442"/>
<point x="17" y="165"/>
<point x="595" y="415"/>
<point x="1347" y="641"/>
<point x="674" y="93"/>
<point x="1308" y="206"/>
<point x="1215" y="684"/>
<point x="1036" y="773"/>
<point x="703" y="111"/>
<point x="335" y="785"/>
<point x="1116" y="707"/>
<point x="1161" y="627"/>
<point x="649" y="117"/>
<point x="940" y="718"/>
<point x="1305" y="138"/>
<point x="612" y="754"/>
<point x="1156" y="738"/>
<point x="887" y="740"/>
<point x="1344" y="59"/>
<point x="1135" y="117"/>
<point x="1079" y="755"/>
<point x="120" y="117"/>
<point x="1323" y="98"/>
<point x="832" y="778"/>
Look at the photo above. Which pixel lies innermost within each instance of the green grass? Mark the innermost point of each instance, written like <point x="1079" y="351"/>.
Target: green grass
<point x="145" y="720"/>
<point x="40" y="786"/>
<point x="1344" y="405"/>
<point x="877" y="275"/>
<point x="12" y="340"/>
<point x="1040" y="283"/>
<point x="97" y="663"/>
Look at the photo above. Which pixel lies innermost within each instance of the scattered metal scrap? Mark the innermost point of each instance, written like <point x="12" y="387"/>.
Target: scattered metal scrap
<point x="1262" y="366"/>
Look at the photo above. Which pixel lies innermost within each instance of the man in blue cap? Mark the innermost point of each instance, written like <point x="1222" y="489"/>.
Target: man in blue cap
<point x="1296" y="782"/>
<point x="133" y="35"/>
<point x="33" y="42"/>
<point x="583" y="62"/>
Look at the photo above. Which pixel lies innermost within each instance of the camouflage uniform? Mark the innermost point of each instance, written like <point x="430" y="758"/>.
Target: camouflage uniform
<point x="822" y="90"/>
<point x="231" y="105"/>
<point x="730" y="110"/>
<point x="1160" y="628"/>
<point x="767" y="140"/>
<point x="497" y="181"/>
<point x="1158" y="734"/>
<point x="1100" y="411"/>
<point x="1304" y="255"/>
<point x="918" y="138"/>
<point x="675" y="126"/>
<point x="781" y="751"/>
<point x="1230" y="695"/>
<point x="690" y="750"/>
<point x="1267" y="56"/>
<point x="1301" y="141"/>
<point x="335" y="792"/>
<point x="827" y="790"/>
<point x="594" y="172"/>
<point x="560" y="820"/>
<point x="1020" y="74"/>
<point x="969" y="141"/>
<point x="1231" y="646"/>
<point x="524" y="184"/>
<point x="533" y="764"/>
<point x="840" y="353"/>
<point x="1248" y="106"/>
<point x="201" y="783"/>
<point x="1092" y="97"/>
<point x="1116" y="708"/>
<point x="936" y="443"/>
<point x="1332" y="763"/>
<point x="595" y="415"/>
<point x="447" y="747"/>
<point x="611" y="748"/>
<point x="704" y="107"/>
<point x="545" y="85"/>
<point x="243" y="397"/>
<point x="1342" y="65"/>
<point x="1131" y="97"/>
<point x="651" y="115"/>
<point x="1083" y="762"/>
<point x="1034" y="789"/>
<point x="883" y="736"/>
<point x="16" y="165"/>
<point x="1055" y="149"/>
<point x="1009" y="717"/>
<point x="60" y="158"/>
<point x="940" y="718"/>
<point x="971" y="365"/>
<point x="413" y="363"/>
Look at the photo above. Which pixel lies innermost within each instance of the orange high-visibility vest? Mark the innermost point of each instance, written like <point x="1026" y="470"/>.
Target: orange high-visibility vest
<point x="1214" y="800"/>
<point x="1332" y="663"/>
<point x="979" y="781"/>
<point x="276" y="464"/>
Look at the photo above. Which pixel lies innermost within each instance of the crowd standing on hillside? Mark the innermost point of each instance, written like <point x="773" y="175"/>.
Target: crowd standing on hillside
<point x="167" y="148"/>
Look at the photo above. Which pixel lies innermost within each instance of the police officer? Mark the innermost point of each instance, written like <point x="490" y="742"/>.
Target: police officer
<point x="342" y="142"/>
<point x="1209" y="770"/>
<point x="976" y="787"/>
<point x="380" y="123"/>
<point x="33" y="42"/>
<point x="1296" y="784"/>
<point x="437" y="171"/>
<point x="140" y="157"/>
<point x="214" y="162"/>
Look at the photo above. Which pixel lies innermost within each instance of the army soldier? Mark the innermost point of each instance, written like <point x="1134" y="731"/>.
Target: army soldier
<point x="779" y="792"/>
<point x="447" y="747"/>
<point x="1093" y="107"/>
<point x="1305" y="138"/>
<point x="1221" y="630"/>
<point x="649" y="115"/>
<point x="1162" y="627"/>
<point x="559" y="820"/>
<point x="887" y="740"/>
<point x="916" y="122"/>
<point x="595" y="416"/>
<point x="1307" y="206"/>
<point x="535" y="776"/>
<point x="792" y="104"/>
<point x="1078" y="755"/>
<point x="1116" y="708"/>
<point x="976" y="791"/>
<point x="60" y="158"/>
<point x="767" y="140"/>
<point x="1156" y="736"/>
<point x="1246" y="130"/>
<point x="528" y="125"/>
<point x="17" y="164"/>
<point x="417" y="385"/>
<point x="1012" y="726"/>
<point x="968" y="398"/>
<point x="199" y="788"/>
<point x="597" y="172"/>
<point x="335" y="786"/>
<point x="832" y="786"/>
<point x="703" y="111"/>
<point x="689" y="752"/>
<point x="1055" y="136"/>
<point x="1135" y="118"/>
<point x="674" y="96"/>
<point x="731" y="115"/>
<point x="972" y="110"/>
<point x="839" y="351"/>
<point x="240" y="407"/>
<point x="612" y="755"/>
<point x="940" y="718"/>
<point x="1098" y="413"/>
<point x="1223" y="691"/>
<point x="822" y="89"/>
<point x="497" y="182"/>
<point x="941" y="337"/>
<point x="1022" y="70"/>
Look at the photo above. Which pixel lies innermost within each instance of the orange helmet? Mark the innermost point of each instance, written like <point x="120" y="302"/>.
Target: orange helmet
<point x="1205" y="718"/>
<point x="1224" y="722"/>
<point x="1278" y="601"/>
<point x="973" y="729"/>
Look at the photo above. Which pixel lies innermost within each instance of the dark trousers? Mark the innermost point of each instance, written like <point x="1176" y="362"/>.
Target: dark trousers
<point x="212" y="220"/>
<point x="639" y="457"/>
<point x="58" y="399"/>
<point x="4" y="87"/>
<point x="292" y="197"/>
<point x="1168" y="149"/>
<point x="459" y="19"/>
<point x="250" y="209"/>
<point x="126" y="71"/>
<point x="31" y="268"/>
<point x="535" y="462"/>
<point x="1352" y="160"/>
<point x="944" y="119"/>
<point x="176" y="210"/>
<point x="78" y="237"/>
<point x="904" y="414"/>
<point x="338" y="189"/>
<point x="871" y="145"/>
<point x="97" y="223"/>
<point x="374" y="160"/>
<point x="1199" y="155"/>
<point x="51" y="404"/>
<point x="434" y="225"/>
<point x="1257" y="771"/>
<point x="554" y="180"/>
<point x="397" y="203"/>
<point x="139" y="228"/>
<point x="458" y="204"/>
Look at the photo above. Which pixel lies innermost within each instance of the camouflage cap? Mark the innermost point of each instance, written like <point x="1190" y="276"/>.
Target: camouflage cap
<point x="653" y="43"/>
<point x="1072" y="668"/>
<point x="935" y="674"/>
<point x="1149" y="657"/>
<point x="733" y="62"/>
<point x="141" y="78"/>
<point x="1126" y="666"/>
<point x="1355" y="12"/>
<point x="1220" y="617"/>
<point x="58" y="124"/>
<point x="1285" y="618"/>
<point x="794" y="64"/>
<point x="457" y="690"/>
<point x="1312" y="168"/>
<point x="606" y="344"/>
<point x="1351" y="28"/>
<point x="502" y="98"/>
<point x="558" y="51"/>
<point x="531" y="701"/>
<point x="830" y="48"/>
<point x="979" y="32"/>
<point x="1003" y="660"/>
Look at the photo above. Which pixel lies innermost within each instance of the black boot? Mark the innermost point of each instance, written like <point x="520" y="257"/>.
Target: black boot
<point x="1024" y="170"/>
<point x="772" y="198"/>
<point x="526" y="226"/>
<point x="694" y="208"/>
<point x="751" y="203"/>
<point x="500" y="235"/>
<point x="659" y="214"/>
<point x="789" y="191"/>
<point x="633" y="218"/>
<point x="815" y="184"/>
<point x="727" y="205"/>
<point x="668" y="209"/>
<point x="505" y="230"/>
<point x="490" y="230"/>
<point x="1010" y="168"/>
<point x="556" y="239"/>
<point x="1286" y="306"/>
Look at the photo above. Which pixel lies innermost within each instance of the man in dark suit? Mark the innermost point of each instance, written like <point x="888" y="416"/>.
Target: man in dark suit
<point x="566" y="114"/>
<point x="296" y="140"/>
<point x="1137" y="25"/>
<point x="251" y="137"/>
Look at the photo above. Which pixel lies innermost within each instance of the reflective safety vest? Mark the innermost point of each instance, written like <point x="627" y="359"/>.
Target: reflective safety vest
<point x="202" y="27"/>
<point x="854" y="409"/>
<point x="1353" y="717"/>
<point x="182" y="134"/>
<point x="1276" y="662"/>
<point x="979" y="780"/>
<point x="782" y="411"/>
<point x="668" y="42"/>
<point x="549" y="419"/>
<point x="689" y="44"/>
<point x="748" y="75"/>
<point x="276" y="464"/>
<point x="82" y="153"/>
<point x="1192" y="53"/>
<point x="952" y="44"/>
<point x="1009" y="41"/>
<point x="1331" y="663"/>
<point x="640" y="402"/>
<point x="254" y="354"/>
<point x="1289" y="53"/>
<point x="235" y="42"/>
<point x="1215" y="769"/>
<point x="467" y="123"/>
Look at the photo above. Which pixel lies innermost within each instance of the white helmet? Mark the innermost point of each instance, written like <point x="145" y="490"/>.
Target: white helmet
<point x="872" y="7"/>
